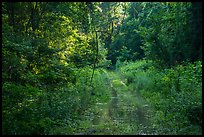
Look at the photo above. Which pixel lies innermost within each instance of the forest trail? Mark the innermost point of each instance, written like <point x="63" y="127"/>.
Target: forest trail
<point x="125" y="113"/>
<point x="91" y="67"/>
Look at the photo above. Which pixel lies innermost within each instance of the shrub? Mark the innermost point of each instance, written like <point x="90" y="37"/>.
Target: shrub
<point x="175" y="93"/>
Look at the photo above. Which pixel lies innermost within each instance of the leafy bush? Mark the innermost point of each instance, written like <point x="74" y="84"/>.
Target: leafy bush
<point x="20" y="108"/>
<point x="175" y="93"/>
<point x="180" y="94"/>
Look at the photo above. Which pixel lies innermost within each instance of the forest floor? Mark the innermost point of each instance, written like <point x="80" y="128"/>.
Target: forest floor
<point x="126" y="112"/>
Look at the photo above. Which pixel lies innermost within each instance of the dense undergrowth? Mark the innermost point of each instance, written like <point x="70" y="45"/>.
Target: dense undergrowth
<point x="30" y="109"/>
<point x="174" y="94"/>
<point x="49" y="56"/>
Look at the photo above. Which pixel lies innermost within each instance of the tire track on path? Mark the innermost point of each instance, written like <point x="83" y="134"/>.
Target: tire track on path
<point x="124" y="113"/>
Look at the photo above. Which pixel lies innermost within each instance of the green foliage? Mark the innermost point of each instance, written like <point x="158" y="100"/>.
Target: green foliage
<point x="156" y="31"/>
<point x="164" y="30"/>
<point x="174" y="93"/>
<point x="21" y="108"/>
<point x="54" y="61"/>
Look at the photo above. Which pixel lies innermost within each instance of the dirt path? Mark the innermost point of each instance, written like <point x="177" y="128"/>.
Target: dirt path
<point x="124" y="113"/>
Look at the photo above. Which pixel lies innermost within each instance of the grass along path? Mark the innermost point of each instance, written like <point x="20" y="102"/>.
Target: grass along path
<point x="126" y="112"/>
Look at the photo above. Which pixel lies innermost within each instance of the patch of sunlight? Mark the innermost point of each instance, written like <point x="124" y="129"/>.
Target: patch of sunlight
<point x="118" y="84"/>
